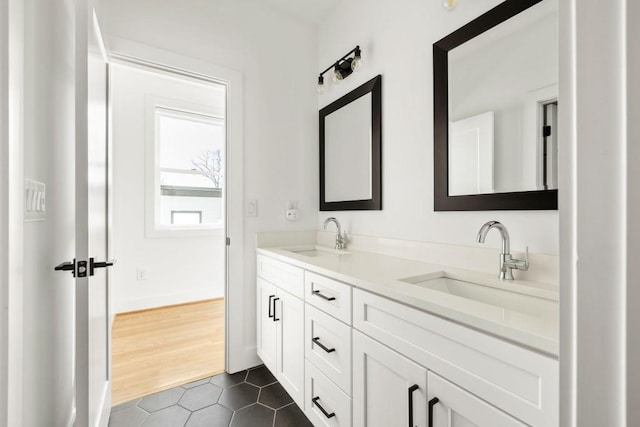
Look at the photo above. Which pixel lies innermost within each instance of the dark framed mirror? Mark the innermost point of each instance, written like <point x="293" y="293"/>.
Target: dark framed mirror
<point x="351" y="150"/>
<point x="495" y="110"/>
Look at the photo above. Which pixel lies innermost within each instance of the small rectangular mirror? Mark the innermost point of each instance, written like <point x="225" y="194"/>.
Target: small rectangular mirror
<point x="350" y="157"/>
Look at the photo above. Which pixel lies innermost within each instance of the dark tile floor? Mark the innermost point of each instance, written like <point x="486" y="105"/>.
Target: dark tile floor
<point x="249" y="398"/>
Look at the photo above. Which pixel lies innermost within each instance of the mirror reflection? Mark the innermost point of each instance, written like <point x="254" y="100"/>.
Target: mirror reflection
<point x="503" y="106"/>
<point x="347" y="152"/>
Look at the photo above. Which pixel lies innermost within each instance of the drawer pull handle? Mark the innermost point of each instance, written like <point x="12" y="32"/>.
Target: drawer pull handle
<point x="316" y="341"/>
<point x="275" y="319"/>
<point x="432" y="403"/>
<point x="411" y="390"/>
<point x="317" y="293"/>
<point x="326" y="414"/>
<point x="270" y="313"/>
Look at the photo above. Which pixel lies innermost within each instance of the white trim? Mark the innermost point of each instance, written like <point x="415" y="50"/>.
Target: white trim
<point x="136" y="304"/>
<point x="72" y="418"/>
<point x="533" y="139"/>
<point x="240" y="352"/>
<point x="11" y="221"/>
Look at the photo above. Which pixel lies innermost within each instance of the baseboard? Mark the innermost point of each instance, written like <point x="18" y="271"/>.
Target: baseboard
<point x="72" y="417"/>
<point x="138" y="304"/>
<point x="239" y="362"/>
<point x="104" y="411"/>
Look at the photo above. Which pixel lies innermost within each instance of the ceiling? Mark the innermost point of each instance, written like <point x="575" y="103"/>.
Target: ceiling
<point x="313" y="11"/>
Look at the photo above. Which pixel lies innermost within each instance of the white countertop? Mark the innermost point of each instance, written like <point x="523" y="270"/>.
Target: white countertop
<point x="537" y="329"/>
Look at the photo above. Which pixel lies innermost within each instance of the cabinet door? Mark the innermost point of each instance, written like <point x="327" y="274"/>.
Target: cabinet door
<point x="452" y="406"/>
<point x="267" y="327"/>
<point x="389" y="390"/>
<point x="289" y="317"/>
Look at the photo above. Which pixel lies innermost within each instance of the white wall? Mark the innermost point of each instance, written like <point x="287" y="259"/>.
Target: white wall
<point x="396" y="38"/>
<point x="277" y="57"/>
<point x="49" y="147"/>
<point x="178" y="269"/>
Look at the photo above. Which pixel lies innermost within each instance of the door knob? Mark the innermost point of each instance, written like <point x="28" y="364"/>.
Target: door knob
<point x="79" y="268"/>
<point x="103" y="264"/>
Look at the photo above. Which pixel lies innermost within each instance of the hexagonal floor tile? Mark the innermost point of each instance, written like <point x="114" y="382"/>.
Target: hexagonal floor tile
<point x="173" y="416"/>
<point x="291" y="416"/>
<point x="161" y="400"/>
<point x="215" y="415"/>
<point x="225" y="380"/>
<point x="274" y="396"/>
<point x="260" y="377"/>
<point x="239" y="396"/>
<point x="200" y="397"/>
<point x="253" y="416"/>
<point x="128" y="417"/>
<point x="196" y="383"/>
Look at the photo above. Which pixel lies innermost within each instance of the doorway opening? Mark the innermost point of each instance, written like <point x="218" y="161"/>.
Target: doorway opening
<point x="169" y="198"/>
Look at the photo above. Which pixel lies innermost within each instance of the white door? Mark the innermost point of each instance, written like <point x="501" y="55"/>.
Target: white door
<point x="471" y="155"/>
<point x="389" y="390"/>
<point x="267" y="327"/>
<point x="289" y="316"/>
<point x="451" y="406"/>
<point x="93" y="391"/>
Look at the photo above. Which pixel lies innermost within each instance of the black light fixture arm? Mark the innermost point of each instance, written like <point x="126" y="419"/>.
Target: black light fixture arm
<point x="332" y="66"/>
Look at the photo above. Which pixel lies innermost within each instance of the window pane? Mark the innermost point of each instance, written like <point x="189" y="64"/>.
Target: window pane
<point x="209" y="209"/>
<point x="186" y="218"/>
<point x="175" y="179"/>
<point x="190" y="142"/>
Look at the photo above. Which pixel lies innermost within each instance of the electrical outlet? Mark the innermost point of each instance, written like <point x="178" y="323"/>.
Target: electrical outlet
<point x="141" y="275"/>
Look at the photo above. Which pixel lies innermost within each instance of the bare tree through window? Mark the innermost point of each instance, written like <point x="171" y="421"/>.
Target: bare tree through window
<point x="210" y="164"/>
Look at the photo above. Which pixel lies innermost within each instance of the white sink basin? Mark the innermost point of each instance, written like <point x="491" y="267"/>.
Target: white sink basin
<point x="317" y="251"/>
<point x="493" y="296"/>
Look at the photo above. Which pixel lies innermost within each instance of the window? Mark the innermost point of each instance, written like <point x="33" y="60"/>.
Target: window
<point x="186" y="217"/>
<point x="187" y="179"/>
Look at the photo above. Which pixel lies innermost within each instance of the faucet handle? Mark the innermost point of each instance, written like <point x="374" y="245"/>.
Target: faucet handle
<point x="521" y="264"/>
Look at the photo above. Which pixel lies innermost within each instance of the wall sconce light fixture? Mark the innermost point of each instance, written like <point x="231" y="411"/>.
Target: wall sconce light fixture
<point x="342" y="68"/>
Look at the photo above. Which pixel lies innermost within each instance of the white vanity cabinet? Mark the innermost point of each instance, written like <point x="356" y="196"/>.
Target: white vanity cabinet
<point x="280" y="332"/>
<point x="388" y="389"/>
<point x="350" y="357"/>
<point x="451" y="406"/>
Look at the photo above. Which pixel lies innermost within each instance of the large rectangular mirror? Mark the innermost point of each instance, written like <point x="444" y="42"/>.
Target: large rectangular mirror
<point x="495" y="110"/>
<point x="350" y="157"/>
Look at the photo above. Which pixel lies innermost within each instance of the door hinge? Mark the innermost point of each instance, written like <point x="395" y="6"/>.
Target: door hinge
<point x="546" y="131"/>
<point x="228" y="241"/>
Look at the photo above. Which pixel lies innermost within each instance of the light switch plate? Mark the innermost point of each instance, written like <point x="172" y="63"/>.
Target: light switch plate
<point x="34" y="200"/>
<point x="252" y="208"/>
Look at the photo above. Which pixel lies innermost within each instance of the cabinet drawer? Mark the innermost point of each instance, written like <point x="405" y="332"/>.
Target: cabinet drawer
<point x="328" y="295"/>
<point x="334" y="360"/>
<point x="520" y="381"/>
<point x="281" y="274"/>
<point x="456" y="407"/>
<point x="320" y="392"/>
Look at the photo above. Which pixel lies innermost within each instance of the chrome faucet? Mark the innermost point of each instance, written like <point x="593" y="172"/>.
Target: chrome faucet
<point x="341" y="237"/>
<point x="507" y="263"/>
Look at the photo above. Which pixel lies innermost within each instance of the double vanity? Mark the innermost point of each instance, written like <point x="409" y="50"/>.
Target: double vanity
<point x="366" y="339"/>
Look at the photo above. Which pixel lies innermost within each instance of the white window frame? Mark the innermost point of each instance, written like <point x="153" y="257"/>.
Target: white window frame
<point x="182" y="109"/>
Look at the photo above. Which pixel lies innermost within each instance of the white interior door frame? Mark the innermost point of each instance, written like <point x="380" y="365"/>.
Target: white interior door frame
<point x="11" y="202"/>
<point x="237" y="354"/>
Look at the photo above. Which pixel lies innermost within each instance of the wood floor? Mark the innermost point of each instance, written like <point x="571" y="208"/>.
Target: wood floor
<point x="155" y="350"/>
